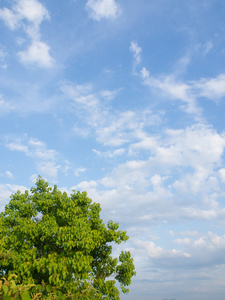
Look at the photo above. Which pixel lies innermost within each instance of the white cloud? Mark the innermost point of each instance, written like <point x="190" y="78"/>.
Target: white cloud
<point x="146" y="143"/>
<point x="211" y="242"/>
<point x="196" y="146"/>
<point x="154" y="251"/>
<point x="83" y="132"/>
<point x="48" y="169"/>
<point x="181" y="64"/>
<point x="207" y="47"/>
<point x="179" y="171"/>
<point x="82" y="94"/>
<point x="33" y="148"/>
<point x="5" y="107"/>
<point x="103" y="9"/>
<point x="213" y="88"/>
<point x="79" y="171"/>
<point x="17" y="146"/>
<point x="109" y="95"/>
<point x="66" y="167"/>
<point x="171" y="87"/>
<point x="115" y="132"/>
<point x="204" y="48"/>
<point x="10" y="18"/>
<point x="28" y="15"/>
<point x="190" y="256"/>
<point x="112" y="128"/>
<point x="45" y="158"/>
<point x="33" y="178"/>
<point x="87" y="186"/>
<point x="206" y="250"/>
<point x="9" y="174"/>
<point x="136" y="51"/>
<point x="221" y="173"/>
<point x="109" y="154"/>
<point x="40" y="151"/>
<point x="209" y="215"/>
<point x="124" y="127"/>
<point x="31" y="10"/>
<point x="37" y="53"/>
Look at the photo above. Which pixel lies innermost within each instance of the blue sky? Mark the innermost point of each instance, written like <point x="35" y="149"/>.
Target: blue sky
<point x="125" y="100"/>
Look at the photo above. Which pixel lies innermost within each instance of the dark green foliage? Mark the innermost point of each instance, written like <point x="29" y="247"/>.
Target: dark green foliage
<point x="53" y="240"/>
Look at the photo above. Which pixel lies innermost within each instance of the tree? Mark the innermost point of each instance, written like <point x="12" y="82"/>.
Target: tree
<point x="52" y="240"/>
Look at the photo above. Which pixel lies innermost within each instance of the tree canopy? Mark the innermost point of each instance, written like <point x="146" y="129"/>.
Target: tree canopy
<point x="52" y="240"/>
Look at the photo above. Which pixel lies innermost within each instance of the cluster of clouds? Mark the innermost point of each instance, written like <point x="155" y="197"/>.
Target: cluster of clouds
<point x="45" y="159"/>
<point x="47" y="162"/>
<point x="111" y="127"/>
<point x="180" y="169"/>
<point x="197" y="267"/>
<point x="185" y="164"/>
<point x="211" y="244"/>
<point x="28" y="15"/>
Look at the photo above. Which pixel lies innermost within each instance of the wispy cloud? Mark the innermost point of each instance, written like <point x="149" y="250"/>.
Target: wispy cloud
<point x="79" y="171"/>
<point x="9" y="174"/>
<point x="5" y="107"/>
<point x="189" y="93"/>
<point x="112" y="128"/>
<point x="33" y="148"/>
<point x="172" y="88"/>
<point x="136" y="52"/>
<point x="45" y="159"/>
<point x="109" y="154"/>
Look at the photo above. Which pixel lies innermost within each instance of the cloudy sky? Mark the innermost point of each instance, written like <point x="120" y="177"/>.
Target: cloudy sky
<point x="125" y="100"/>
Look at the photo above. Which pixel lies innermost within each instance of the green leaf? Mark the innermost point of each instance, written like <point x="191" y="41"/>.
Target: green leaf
<point x="48" y="288"/>
<point x="26" y="296"/>
<point x="5" y="289"/>
<point x="13" y="284"/>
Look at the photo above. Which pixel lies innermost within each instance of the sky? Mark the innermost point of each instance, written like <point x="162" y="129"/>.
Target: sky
<point x="124" y="100"/>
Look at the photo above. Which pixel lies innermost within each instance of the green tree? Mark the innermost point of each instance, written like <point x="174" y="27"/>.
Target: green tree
<point x="59" y="242"/>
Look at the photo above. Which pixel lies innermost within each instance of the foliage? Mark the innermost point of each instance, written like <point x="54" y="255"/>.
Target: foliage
<point x="10" y="290"/>
<point x="60" y="244"/>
